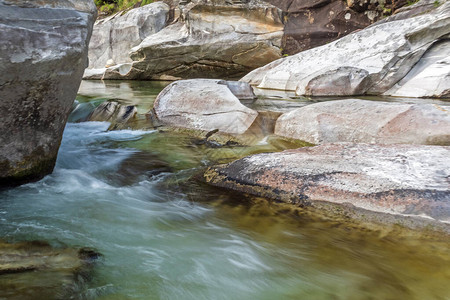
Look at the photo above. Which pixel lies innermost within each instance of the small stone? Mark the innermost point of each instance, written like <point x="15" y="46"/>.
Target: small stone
<point x="110" y="63"/>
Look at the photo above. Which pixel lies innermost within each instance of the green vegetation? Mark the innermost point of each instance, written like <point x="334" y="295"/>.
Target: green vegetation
<point x="112" y="6"/>
<point x="411" y="2"/>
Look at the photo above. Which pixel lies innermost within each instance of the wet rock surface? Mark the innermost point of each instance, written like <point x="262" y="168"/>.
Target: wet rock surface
<point x="35" y="270"/>
<point x="370" y="61"/>
<point x="42" y="59"/>
<point x="202" y="104"/>
<point x="139" y="166"/>
<point x="363" y="121"/>
<point x="399" y="180"/>
<point x="114" y="112"/>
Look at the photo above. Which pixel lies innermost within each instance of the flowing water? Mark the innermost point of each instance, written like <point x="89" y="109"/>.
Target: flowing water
<point x="126" y="194"/>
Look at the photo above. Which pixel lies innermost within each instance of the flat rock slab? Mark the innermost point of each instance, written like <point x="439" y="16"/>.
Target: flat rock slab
<point x="203" y="104"/>
<point x="362" y="121"/>
<point x="401" y="180"/>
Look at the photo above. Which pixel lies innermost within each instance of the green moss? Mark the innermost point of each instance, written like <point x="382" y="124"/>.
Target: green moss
<point x="411" y="2"/>
<point x="113" y="6"/>
<point x="33" y="167"/>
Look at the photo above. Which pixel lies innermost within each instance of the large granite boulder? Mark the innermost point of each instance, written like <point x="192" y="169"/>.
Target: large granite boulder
<point x="400" y="180"/>
<point x="43" y="53"/>
<point x="363" y="121"/>
<point x="213" y="39"/>
<point x="114" y="36"/>
<point x="202" y="104"/>
<point x="370" y="61"/>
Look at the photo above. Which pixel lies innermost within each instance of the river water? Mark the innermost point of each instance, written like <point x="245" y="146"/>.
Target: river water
<point x="125" y="193"/>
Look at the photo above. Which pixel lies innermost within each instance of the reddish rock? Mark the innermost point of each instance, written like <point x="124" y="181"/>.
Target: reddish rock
<point x="317" y="26"/>
<point x="363" y="121"/>
<point x="314" y="23"/>
<point x="400" y="180"/>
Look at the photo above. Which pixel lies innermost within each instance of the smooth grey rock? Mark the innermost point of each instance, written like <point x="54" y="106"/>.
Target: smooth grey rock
<point x="242" y="90"/>
<point x="82" y="6"/>
<point x="114" y="36"/>
<point x="210" y="39"/>
<point x="362" y="121"/>
<point x="430" y="77"/>
<point x="202" y="104"/>
<point x="381" y="55"/>
<point x="343" y="81"/>
<point x="401" y="180"/>
<point x="43" y="53"/>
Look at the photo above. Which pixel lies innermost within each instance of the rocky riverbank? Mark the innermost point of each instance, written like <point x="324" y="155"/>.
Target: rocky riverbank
<point x="377" y="162"/>
<point x="218" y="39"/>
<point x="400" y="56"/>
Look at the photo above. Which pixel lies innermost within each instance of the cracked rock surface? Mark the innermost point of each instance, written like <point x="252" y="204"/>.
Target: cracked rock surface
<point x="402" y="180"/>
<point x="213" y="39"/>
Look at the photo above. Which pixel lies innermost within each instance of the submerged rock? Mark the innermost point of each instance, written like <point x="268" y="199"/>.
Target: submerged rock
<point x="32" y="270"/>
<point x="202" y="104"/>
<point x="139" y="166"/>
<point x="362" y="121"/>
<point x="43" y="54"/>
<point x="114" y="112"/>
<point x="401" y="180"/>
<point x="370" y="61"/>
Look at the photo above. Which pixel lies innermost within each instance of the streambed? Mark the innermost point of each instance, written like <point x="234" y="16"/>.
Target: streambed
<point x="125" y="193"/>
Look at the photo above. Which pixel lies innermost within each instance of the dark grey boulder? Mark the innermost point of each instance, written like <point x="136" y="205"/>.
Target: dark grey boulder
<point x="43" y="53"/>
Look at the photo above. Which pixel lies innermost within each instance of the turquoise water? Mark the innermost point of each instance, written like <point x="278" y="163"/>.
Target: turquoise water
<point x="165" y="237"/>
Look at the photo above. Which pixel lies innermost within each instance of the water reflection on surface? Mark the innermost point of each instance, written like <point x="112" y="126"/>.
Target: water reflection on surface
<point x="143" y="94"/>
